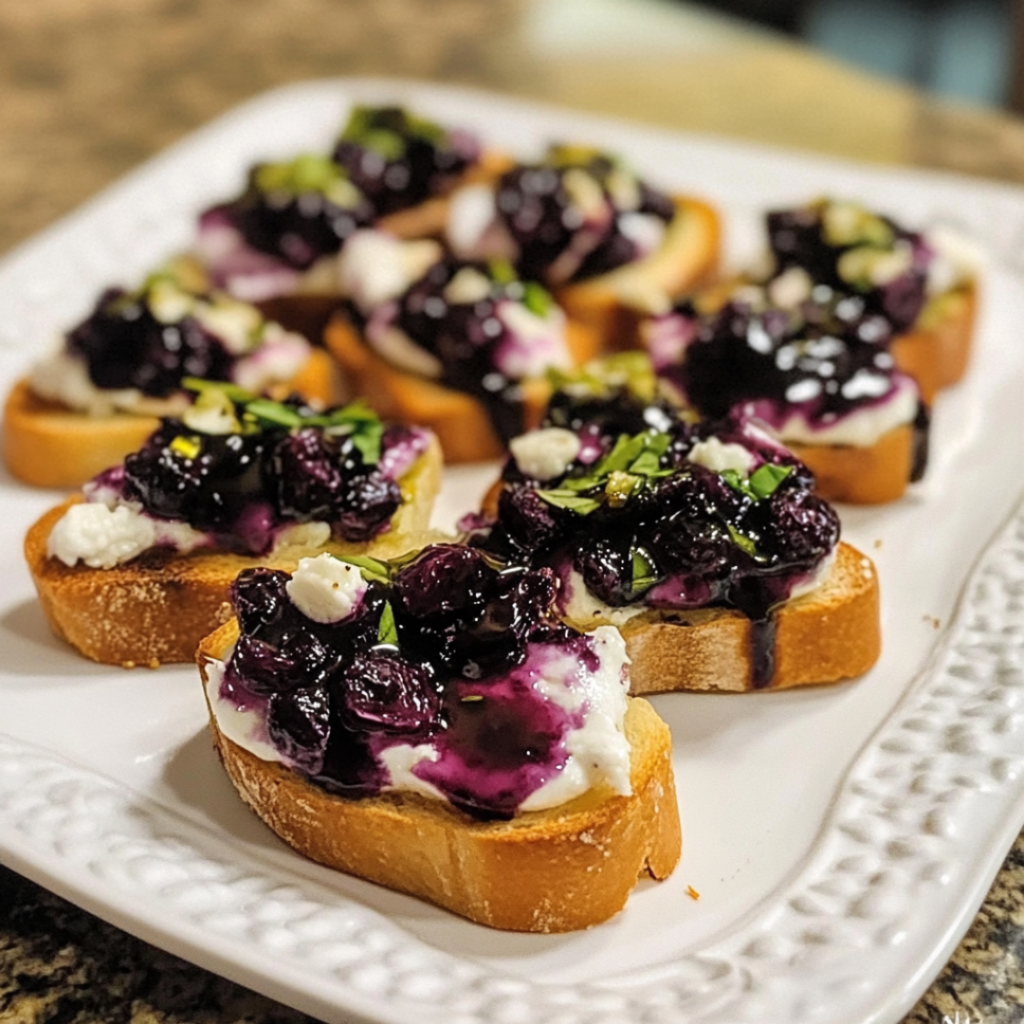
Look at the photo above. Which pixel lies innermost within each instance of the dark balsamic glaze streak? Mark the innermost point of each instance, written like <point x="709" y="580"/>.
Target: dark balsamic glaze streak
<point x="684" y="540"/>
<point x="242" y="488"/>
<point x="537" y="210"/>
<point x="470" y="640"/>
<point x="125" y="346"/>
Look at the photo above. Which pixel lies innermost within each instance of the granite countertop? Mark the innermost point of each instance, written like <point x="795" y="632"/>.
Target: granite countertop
<point x="90" y="90"/>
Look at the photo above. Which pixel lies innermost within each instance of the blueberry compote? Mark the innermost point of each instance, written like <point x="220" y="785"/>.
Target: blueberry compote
<point x="398" y="159"/>
<point x="486" y="328"/>
<point x="676" y="516"/>
<point x="296" y="212"/>
<point x="847" y="248"/>
<point x="242" y="469"/>
<point x="577" y="214"/>
<point x="801" y="369"/>
<point x="131" y="341"/>
<point x="438" y="666"/>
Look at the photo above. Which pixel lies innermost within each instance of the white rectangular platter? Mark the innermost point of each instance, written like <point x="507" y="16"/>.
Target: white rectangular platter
<point x="841" y="839"/>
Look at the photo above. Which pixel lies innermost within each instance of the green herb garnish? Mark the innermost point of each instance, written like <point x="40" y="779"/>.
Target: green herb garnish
<point x="631" y="465"/>
<point x="356" y="420"/>
<point x="373" y="570"/>
<point x="762" y="483"/>
<point x="744" y="543"/>
<point x="629" y="372"/>
<point x="387" y="631"/>
<point x="644" y="572"/>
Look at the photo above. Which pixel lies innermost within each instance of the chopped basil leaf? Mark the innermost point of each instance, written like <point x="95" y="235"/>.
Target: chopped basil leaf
<point x="238" y="395"/>
<point x="762" y="483"/>
<point x="743" y="542"/>
<point x="569" y="500"/>
<point x="274" y="413"/>
<point x="387" y="631"/>
<point x="644" y="573"/>
<point x="765" y="480"/>
<point x="367" y="442"/>
<point x="372" y="569"/>
<point x="537" y="299"/>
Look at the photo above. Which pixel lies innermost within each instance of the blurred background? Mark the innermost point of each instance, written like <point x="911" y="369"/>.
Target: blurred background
<point x="965" y="49"/>
<point x="90" y="89"/>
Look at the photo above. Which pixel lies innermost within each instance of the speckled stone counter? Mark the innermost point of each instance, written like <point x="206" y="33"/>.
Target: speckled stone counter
<point x="91" y="89"/>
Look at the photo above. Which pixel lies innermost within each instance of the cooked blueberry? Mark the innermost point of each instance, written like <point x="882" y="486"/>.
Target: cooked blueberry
<point x="205" y="480"/>
<point x="806" y="527"/>
<point x="125" y="346"/>
<point x="445" y="578"/>
<point x="371" y="499"/>
<point x="528" y="520"/>
<point x="607" y="569"/>
<point x="259" y="598"/>
<point x="383" y="692"/>
<point x="307" y="475"/>
<point x="298" y="724"/>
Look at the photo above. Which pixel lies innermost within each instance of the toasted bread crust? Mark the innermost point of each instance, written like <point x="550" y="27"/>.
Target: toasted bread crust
<point x="830" y="634"/>
<point x="48" y="445"/>
<point x="613" y="304"/>
<point x="936" y="352"/>
<point x="460" y="421"/>
<point x="155" y="609"/>
<point x="862" y="475"/>
<point x="557" y="870"/>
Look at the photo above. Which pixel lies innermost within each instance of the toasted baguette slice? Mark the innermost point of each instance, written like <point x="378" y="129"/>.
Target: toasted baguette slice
<point x="830" y="634"/>
<point x="460" y="421"/>
<point x="862" y="475"/>
<point x="156" y="608"/>
<point x="556" y="870"/>
<point x="48" y="445"/>
<point x="612" y="305"/>
<point x="936" y="351"/>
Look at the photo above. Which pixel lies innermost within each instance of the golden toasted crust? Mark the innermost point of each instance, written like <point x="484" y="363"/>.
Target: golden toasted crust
<point x="861" y="474"/>
<point x="613" y="304"/>
<point x="557" y="870"/>
<point x="48" y="445"/>
<point x="935" y="353"/>
<point x="155" y="609"/>
<point x="830" y="634"/>
<point x="460" y="421"/>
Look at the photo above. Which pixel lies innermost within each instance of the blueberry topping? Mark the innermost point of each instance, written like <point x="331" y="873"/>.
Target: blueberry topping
<point x="824" y="359"/>
<point x="285" y="464"/>
<point x="382" y="692"/>
<point x="643" y="522"/>
<point x="124" y="345"/>
<point x="298" y="211"/>
<point x="398" y="159"/>
<point x="850" y="250"/>
<point x="565" y="214"/>
<point x="445" y="646"/>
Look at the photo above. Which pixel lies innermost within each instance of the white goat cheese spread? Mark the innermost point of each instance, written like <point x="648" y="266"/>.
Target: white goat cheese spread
<point x="545" y="453"/>
<point x="325" y="589"/>
<point x="718" y="456"/>
<point x="599" y="752"/>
